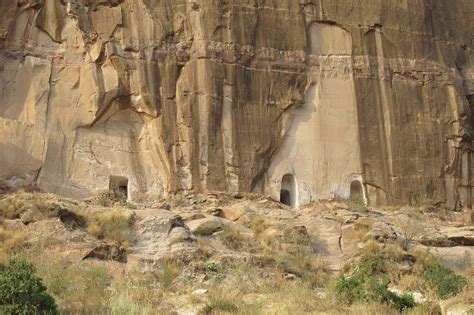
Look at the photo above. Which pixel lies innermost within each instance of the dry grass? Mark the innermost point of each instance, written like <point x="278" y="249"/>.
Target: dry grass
<point x="169" y="271"/>
<point x="12" y="206"/>
<point x="11" y="241"/>
<point x="235" y="240"/>
<point x="255" y="282"/>
<point x="94" y="287"/>
<point x="258" y="226"/>
<point x="113" y="225"/>
<point x="411" y="228"/>
<point x="77" y="286"/>
<point x="467" y="295"/>
<point x="134" y="293"/>
<point x="249" y="289"/>
<point x="232" y="238"/>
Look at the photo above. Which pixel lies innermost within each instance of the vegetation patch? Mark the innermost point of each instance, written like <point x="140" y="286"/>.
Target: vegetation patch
<point x="77" y="286"/>
<point x="232" y="238"/>
<point x="112" y="225"/>
<point x="170" y="269"/>
<point x="380" y="265"/>
<point x="11" y="241"/>
<point x="363" y="286"/>
<point x="356" y="203"/>
<point x="411" y="228"/>
<point x="443" y="281"/>
<point x="14" y="205"/>
<point x="22" y="291"/>
<point x="220" y="303"/>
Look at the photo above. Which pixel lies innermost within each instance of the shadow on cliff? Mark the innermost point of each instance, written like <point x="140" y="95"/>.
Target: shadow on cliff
<point x="17" y="161"/>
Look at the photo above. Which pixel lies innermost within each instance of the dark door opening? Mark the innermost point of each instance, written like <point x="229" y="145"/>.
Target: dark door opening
<point x="357" y="192"/>
<point x="118" y="185"/>
<point x="285" y="197"/>
<point x="288" y="192"/>
<point x="356" y="189"/>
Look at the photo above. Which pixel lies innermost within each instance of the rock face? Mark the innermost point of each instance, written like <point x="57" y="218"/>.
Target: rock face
<point x="304" y="99"/>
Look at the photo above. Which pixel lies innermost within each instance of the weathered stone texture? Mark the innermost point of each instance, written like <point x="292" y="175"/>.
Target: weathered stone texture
<point x="233" y="95"/>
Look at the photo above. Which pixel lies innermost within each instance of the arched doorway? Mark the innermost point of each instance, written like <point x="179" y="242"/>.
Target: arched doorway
<point x="289" y="191"/>
<point x="357" y="191"/>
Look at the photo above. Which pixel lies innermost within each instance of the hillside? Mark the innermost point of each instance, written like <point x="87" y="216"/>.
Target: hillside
<point x="220" y="253"/>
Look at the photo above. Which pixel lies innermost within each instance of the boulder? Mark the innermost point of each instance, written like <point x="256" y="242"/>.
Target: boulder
<point x="108" y="252"/>
<point x="206" y="226"/>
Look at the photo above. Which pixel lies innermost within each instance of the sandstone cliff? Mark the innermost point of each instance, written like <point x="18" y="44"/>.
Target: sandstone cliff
<point x="310" y="96"/>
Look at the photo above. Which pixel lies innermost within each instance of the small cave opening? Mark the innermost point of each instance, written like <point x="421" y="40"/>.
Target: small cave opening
<point x="357" y="190"/>
<point x="285" y="197"/>
<point x="118" y="185"/>
<point x="288" y="191"/>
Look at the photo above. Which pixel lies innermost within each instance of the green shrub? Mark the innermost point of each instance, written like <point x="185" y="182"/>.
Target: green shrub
<point x="382" y="259"/>
<point x="22" y="292"/>
<point x="443" y="281"/>
<point x="211" y="265"/>
<point x="403" y="302"/>
<point x="351" y="289"/>
<point x="364" y="287"/>
<point x="357" y="203"/>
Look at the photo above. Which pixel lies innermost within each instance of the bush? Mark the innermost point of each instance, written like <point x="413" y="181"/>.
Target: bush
<point x="443" y="281"/>
<point x="356" y="203"/>
<point x="112" y="226"/>
<point x="364" y="287"/>
<point x="410" y="228"/>
<point x="382" y="258"/>
<point x="22" y="292"/>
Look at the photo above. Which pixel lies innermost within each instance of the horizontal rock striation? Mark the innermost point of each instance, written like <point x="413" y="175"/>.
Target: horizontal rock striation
<point x="180" y="95"/>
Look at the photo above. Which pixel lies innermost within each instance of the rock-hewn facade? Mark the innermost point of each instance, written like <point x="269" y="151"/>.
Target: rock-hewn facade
<point x="235" y="94"/>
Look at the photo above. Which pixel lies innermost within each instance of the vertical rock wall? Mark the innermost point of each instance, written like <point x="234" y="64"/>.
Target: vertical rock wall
<point x="233" y="95"/>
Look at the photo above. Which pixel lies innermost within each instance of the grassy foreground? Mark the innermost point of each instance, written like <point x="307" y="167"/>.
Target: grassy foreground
<point x="268" y="274"/>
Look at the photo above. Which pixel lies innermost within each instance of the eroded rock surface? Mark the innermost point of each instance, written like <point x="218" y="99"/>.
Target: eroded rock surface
<point x="233" y="95"/>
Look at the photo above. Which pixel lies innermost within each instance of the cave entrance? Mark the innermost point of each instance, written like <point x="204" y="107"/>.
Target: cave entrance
<point x="118" y="185"/>
<point x="285" y="197"/>
<point x="288" y="191"/>
<point x="357" y="190"/>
